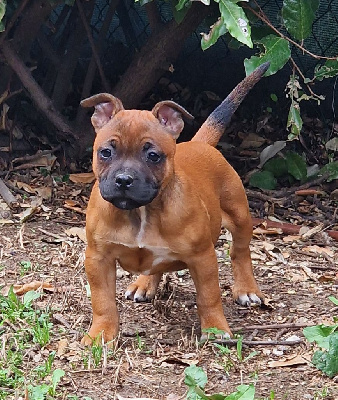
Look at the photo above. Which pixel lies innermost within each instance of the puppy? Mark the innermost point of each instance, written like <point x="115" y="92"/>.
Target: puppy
<point x="158" y="206"/>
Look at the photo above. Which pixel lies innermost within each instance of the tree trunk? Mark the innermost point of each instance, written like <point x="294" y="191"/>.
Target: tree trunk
<point x="70" y="59"/>
<point x="43" y="102"/>
<point x="161" y="49"/>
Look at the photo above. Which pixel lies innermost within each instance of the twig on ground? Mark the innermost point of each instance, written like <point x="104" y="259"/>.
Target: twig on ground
<point x="36" y="155"/>
<point x="233" y="342"/>
<point x="7" y="195"/>
<point x="272" y="326"/>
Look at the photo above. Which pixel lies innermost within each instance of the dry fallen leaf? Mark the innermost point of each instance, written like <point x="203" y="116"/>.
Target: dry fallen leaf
<point x="24" y="186"/>
<point x="291" y="238"/>
<point x="62" y="347"/>
<point x="295" y="360"/>
<point x="319" y="250"/>
<point x="26" y="287"/>
<point x="84" y="177"/>
<point x="76" y="231"/>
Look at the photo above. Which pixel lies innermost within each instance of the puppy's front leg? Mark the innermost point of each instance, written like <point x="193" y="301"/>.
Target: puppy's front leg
<point x="101" y="275"/>
<point x="203" y="268"/>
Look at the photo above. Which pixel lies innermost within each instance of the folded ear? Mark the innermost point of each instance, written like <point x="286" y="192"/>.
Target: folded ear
<point x="170" y="115"/>
<point x="106" y="106"/>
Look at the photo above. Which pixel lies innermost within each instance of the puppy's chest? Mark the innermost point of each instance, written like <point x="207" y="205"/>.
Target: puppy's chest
<point x="141" y="250"/>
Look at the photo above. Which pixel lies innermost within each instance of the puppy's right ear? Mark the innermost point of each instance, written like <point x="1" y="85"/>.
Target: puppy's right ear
<point x="106" y="106"/>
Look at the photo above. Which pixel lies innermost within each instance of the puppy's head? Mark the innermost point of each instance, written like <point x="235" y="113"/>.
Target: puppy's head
<point x="134" y="150"/>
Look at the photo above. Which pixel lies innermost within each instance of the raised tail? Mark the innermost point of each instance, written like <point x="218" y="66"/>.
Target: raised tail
<point x="214" y="126"/>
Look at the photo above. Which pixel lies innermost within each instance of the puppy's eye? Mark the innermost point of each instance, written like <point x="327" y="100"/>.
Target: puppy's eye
<point x="153" y="157"/>
<point x="105" y="153"/>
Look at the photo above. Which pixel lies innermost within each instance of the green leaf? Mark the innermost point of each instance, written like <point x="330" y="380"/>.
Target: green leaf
<point x="244" y="392"/>
<point x="296" y="165"/>
<point x="263" y="180"/>
<point x="239" y="347"/>
<point x="298" y="17"/>
<point x="331" y="169"/>
<point x="216" y="31"/>
<point x="56" y="377"/>
<point x="3" y="4"/>
<point x="29" y="297"/>
<point x="181" y="13"/>
<point x="236" y="21"/>
<point x="319" y="334"/>
<point x="334" y="300"/>
<point x="195" y="376"/>
<point x="276" y="50"/>
<point x="277" y="166"/>
<point x="328" y="70"/>
<point x="181" y="4"/>
<point x="274" y="97"/>
<point x="294" y="122"/>
<point x="38" y="392"/>
<point x="327" y="361"/>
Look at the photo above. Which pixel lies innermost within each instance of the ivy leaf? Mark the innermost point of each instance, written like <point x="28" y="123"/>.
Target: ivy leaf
<point x="236" y="21"/>
<point x="327" y="361"/>
<point x="328" y="70"/>
<point x="298" y="16"/>
<point x="331" y="169"/>
<point x="216" y="30"/>
<point x="276" y="50"/>
<point x="277" y="166"/>
<point x="296" y="166"/>
<point x="294" y="122"/>
<point x="263" y="180"/>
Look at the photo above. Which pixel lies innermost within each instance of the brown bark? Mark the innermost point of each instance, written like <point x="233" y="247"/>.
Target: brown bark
<point x="43" y="102"/>
<point x="70" y="59"/>
<point x="156" y="56"/>
<point x="33" y="16"/>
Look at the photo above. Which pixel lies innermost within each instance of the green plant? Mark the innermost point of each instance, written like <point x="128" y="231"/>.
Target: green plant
<point x="34" y="327"/>
<point x="196" y="379"/>
<point x="326" y="338"/>
<point x="25" y="267"/>
<point x="274" y="45"/>
<point x="40" y="392"/>
<point x="43" y="370"/>
<point x="41" y="330"/>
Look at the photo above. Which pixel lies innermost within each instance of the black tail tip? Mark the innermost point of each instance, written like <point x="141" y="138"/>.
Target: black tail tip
<point x="262" y="68"/>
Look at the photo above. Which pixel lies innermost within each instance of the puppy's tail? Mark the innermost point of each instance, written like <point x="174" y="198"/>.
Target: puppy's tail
<point x="213" y="128"/>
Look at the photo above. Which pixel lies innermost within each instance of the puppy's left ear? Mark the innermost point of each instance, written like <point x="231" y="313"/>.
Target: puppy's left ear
<point x="106" y="106"/>
<point x="170" y="115"/>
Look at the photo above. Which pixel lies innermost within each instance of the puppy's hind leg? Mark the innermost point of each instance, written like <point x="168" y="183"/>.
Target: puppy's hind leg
<point x="236" y="218"/>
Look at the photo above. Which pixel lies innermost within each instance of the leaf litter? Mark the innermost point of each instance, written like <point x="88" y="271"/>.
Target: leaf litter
<point x="45" y="252"/>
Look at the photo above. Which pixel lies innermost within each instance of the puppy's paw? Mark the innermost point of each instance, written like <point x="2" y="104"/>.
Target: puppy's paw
<point x="138" y="294"/>
<point x="209" y="336"/>
<point x="249" y="299"/>
<point x="143" y="289"/>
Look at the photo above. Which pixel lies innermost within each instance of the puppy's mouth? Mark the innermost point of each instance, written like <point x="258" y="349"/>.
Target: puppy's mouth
<point x="125" y="204"/>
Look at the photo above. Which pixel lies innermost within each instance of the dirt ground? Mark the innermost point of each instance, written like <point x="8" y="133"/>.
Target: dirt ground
<point x="159" y="340"/>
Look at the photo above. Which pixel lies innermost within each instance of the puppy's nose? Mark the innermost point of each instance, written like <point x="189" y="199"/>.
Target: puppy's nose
<point x="123" y="181"/>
